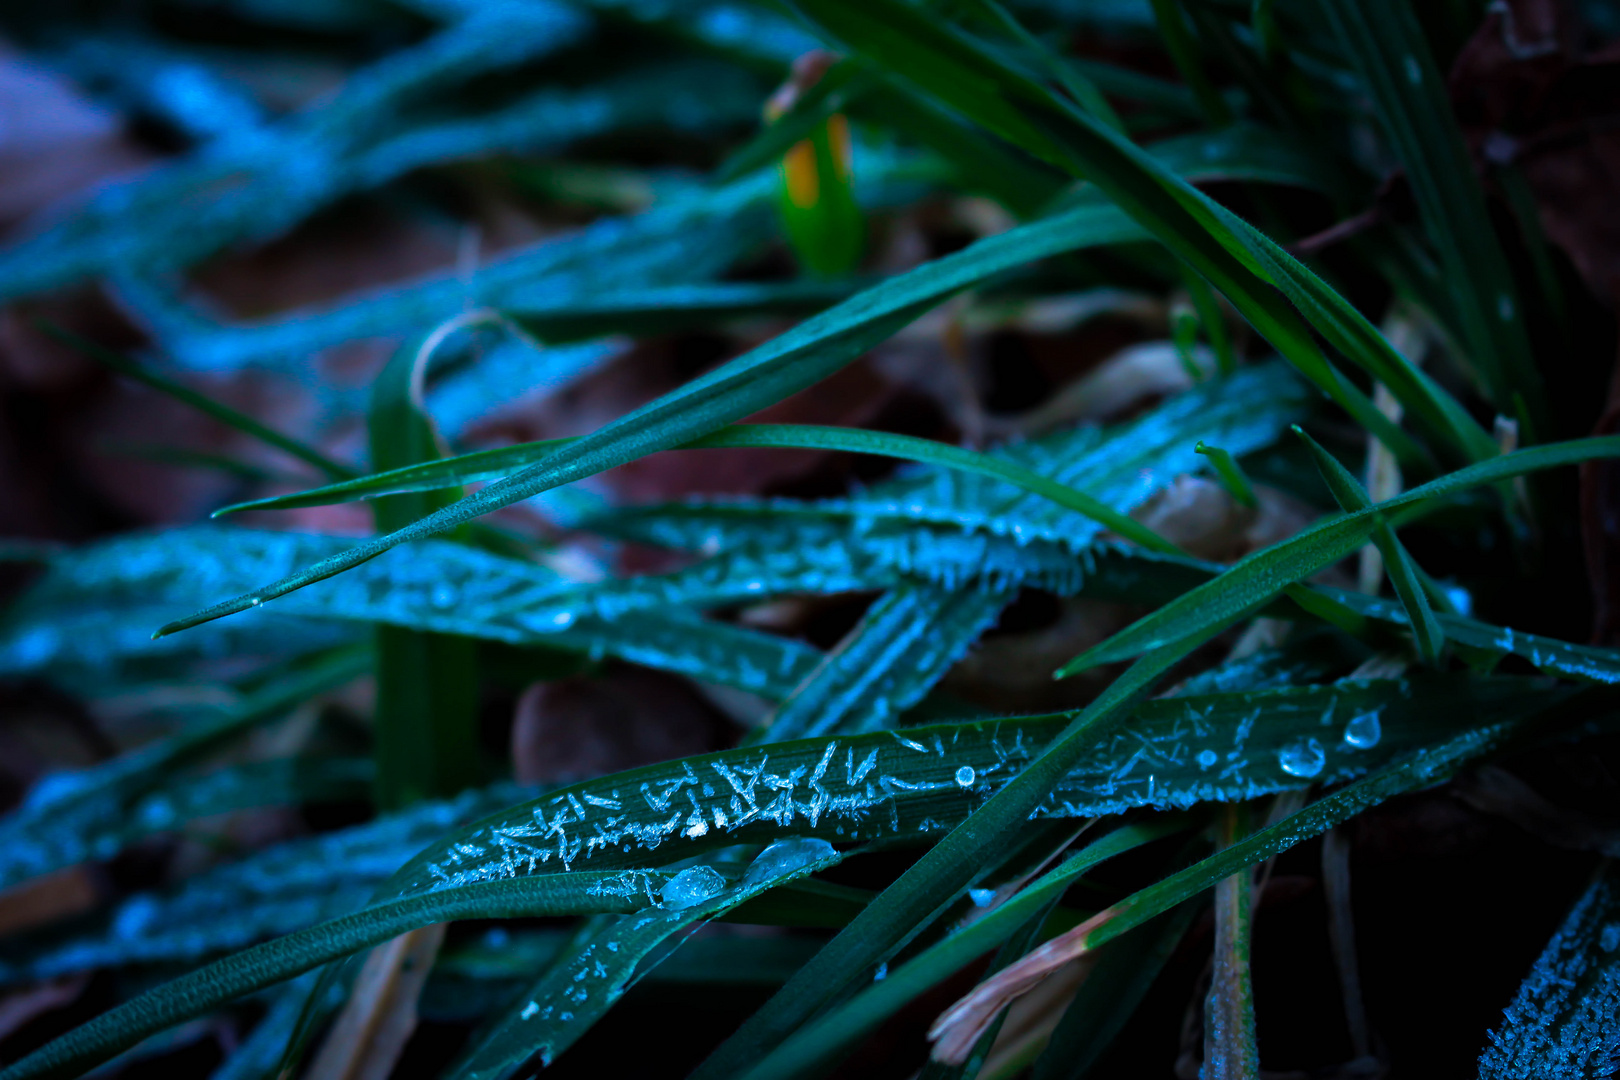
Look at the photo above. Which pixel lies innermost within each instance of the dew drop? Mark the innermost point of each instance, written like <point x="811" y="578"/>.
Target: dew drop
<point x="784" y="857"/>
<point x="529" y="1010"/>
<point x="691" y="887"/>
<point x="982" y="897"/>
<point x="563" y="620"/>
<point x="1304" y="758"/>
<point x="1364" y="731"/>
<point x="881" y="973"/>
<point x="255" y="602"/>
<point x="444" y="596"/>
<point x="964" y="776"/>
<point x="1206" y="758"/>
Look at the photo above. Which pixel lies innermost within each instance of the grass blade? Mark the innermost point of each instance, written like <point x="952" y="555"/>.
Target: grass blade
<point x="1347" y="491"/>
<point x="1262" y="575"/>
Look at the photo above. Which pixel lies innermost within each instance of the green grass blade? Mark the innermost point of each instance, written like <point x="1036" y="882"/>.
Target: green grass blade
<point x="817" y="1045"/>
<point x="1347" y="491"/>
<point x="1383" y="40"/>
<point x="1229" y="473"/>
<point x="591" y="977"/>
<point x="487" y="464"/>
<point x="425" y="735"/>
<point x="1419" y="770"/>
<point x="204" y="404"/>
<point x="1260" y="576"/>
<point x="264" y="965"/>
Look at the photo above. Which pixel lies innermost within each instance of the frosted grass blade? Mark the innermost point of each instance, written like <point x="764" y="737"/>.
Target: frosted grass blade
<point x="1259" y="577"/>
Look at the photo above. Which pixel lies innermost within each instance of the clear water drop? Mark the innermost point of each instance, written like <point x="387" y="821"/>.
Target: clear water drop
<point x="881" y="973"/>
<point x="562" y="620"/>
<point x="1206" y="758"/>
<point x="784" y="857"/>
<point x="255" y="602"/>
<point x="1304" y="758"/>
<point x="691" y="887"/>
<point x="1363" y="731"/>
<point x="982" y="897"/>
<point x="964" y="776"/>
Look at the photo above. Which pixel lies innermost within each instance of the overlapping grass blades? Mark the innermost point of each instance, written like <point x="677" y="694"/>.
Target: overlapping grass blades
<point x="910" y="785"/>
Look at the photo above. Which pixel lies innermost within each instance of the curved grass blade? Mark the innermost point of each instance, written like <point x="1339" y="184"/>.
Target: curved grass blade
<point x="817" y="1045"/>
<point x="1562" y="1023"/>
<point x="589" y="978"/>
<point x="1260" y="576"/>
<point x="1427" y="632"/>
<point x="487" y="464"/>
<point x="204" y="404"/>
<point x="264" y="965"/>
<point x="1229" y="473"/>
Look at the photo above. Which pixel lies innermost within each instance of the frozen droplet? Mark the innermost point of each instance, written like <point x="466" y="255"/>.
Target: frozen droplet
<point x="1304" y="758"/>
<point x="964" y="776"/>
<point x="1206" y="758"/>
<point x="881" y="973"/>
<point x="982" y="897"/>
<point x="784" y="857"/>
<point x="1364" y="731"/>
<point x="691" y="887"/>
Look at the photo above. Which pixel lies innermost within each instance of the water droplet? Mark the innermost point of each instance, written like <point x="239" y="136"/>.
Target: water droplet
<point x="1304" y="758"/>
<point x="784" y="857"/>
<point x="691" y="887"/>
<point x="1206" y="758"/>
<point x="982" y="897"/>
<point x="964" y="776"/>
<point x="443" y="596"/>
<point x="881" y="973"/>
<point x="529" y="1010"/>
<point x="255" y="602"/>
<point x="562" y="620"/>
<point x="1364" y="731"/>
